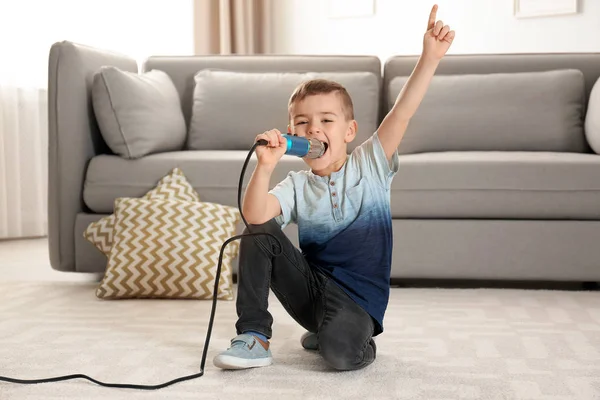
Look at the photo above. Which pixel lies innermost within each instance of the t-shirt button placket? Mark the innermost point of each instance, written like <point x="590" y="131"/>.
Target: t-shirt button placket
<point x="336" y="208"/>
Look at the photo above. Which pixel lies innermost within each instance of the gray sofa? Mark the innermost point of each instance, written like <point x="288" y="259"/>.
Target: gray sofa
<point x="497" y="178"/>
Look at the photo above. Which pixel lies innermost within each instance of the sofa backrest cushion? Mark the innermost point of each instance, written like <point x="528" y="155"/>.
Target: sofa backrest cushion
<point x="524" y="111"/>
<point x="182" y="69"/>
<point x="138" y="114"/>
<point x="592" y="119"/>
<point x="230" y="108"/>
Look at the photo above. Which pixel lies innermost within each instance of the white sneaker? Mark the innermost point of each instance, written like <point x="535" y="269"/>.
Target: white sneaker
<point x="245" y="352"/>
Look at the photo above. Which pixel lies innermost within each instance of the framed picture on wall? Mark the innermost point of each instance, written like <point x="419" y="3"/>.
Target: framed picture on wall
<point x="544" y="8"/>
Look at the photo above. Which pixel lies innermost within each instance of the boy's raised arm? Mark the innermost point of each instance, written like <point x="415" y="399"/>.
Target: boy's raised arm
<point x="436" y="42"/>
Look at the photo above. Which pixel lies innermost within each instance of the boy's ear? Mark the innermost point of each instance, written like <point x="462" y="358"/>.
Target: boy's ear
<point x="351" y="132"/>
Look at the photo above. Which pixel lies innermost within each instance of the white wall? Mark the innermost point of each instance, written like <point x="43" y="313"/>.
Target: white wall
<point x="28" y="28"/>
<point x="135" y="27"/>
<point x="482" y="26"/>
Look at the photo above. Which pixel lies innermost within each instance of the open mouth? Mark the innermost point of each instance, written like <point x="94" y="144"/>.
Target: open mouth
<point x="326" y="145"/>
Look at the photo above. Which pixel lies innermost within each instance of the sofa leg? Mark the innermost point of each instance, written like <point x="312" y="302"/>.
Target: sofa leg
<point x="591" y="286"/>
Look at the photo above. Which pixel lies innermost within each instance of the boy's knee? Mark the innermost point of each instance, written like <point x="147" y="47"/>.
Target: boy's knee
<point x="339" y="355"/>
<point x="341" y="361"/>
<point x="262" y="241"/>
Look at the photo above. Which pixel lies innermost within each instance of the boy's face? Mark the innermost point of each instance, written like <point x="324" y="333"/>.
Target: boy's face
<point x="322" y="117"/>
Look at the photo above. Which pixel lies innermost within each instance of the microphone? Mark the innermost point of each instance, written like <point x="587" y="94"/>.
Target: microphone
<point x="301" y="146"/>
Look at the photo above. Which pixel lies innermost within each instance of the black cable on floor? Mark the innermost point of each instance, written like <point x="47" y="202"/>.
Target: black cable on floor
<point x="212" y="313"/>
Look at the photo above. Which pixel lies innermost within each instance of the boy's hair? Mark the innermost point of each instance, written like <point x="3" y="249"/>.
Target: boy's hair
<point x="323" y="86"/>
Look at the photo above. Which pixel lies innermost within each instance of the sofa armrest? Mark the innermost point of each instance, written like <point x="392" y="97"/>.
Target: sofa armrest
<point x="73" y="139"/>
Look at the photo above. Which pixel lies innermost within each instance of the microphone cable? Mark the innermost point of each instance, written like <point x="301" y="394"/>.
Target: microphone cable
<point x="212" y="313"/>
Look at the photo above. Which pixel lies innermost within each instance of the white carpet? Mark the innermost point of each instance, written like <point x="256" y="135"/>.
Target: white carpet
<point x="437" y="344"/>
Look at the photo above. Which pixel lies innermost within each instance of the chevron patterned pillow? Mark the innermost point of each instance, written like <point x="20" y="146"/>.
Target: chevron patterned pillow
<point x="169" y="249"/>
<point x="172" y="186"/>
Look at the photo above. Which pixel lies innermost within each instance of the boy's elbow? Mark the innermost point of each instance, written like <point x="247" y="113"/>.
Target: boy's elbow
<point x="254" y="219"/>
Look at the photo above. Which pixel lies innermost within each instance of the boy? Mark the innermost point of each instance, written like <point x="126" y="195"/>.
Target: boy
<point x="337" y="287"/>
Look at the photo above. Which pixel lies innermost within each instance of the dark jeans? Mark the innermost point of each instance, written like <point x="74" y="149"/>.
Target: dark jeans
<point x="344" y="330"/>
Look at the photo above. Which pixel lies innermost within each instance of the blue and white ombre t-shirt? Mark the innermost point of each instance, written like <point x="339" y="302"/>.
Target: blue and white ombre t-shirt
<point x="344" y="223"/>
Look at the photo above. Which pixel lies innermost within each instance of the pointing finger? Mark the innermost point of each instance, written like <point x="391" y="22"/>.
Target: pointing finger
<point x="432" y="16"/>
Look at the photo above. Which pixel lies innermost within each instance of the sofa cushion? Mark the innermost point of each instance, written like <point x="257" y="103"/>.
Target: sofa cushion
<point x="138" y="114"/>
<point x="536" y="185"/>
<point x="506" y="185"/>
<point x="214" y="175"/>
<point x="529" y="111"/>
<point x="230" y="108"/>
<point x="165" y="248"/>
<point x="592" y="118"/>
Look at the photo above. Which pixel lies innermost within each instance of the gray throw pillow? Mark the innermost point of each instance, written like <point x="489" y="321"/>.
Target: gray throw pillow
<point x="592" y="119"/>
<point x="528" y="111"/>
<point x="138" y="114"/>
<point x="230" y="108"/>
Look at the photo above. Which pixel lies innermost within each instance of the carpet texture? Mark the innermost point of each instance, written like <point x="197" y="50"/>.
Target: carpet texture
<point x="437" y="344"/>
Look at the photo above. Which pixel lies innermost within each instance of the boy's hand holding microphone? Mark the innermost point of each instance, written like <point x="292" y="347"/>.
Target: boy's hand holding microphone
<point x="270" y="153"/>
<point x="273" y="145"/>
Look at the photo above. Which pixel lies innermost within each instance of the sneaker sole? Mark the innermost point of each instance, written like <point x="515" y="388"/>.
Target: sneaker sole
<point x="229" y="362"/>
